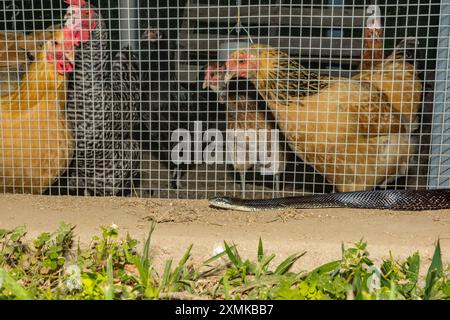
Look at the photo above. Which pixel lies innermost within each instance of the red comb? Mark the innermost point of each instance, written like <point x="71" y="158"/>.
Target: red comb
<point x="79" y="3"/>
<point x="63" y="67"/>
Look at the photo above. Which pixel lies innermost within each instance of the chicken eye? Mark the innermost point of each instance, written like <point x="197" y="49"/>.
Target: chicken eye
<point x="30" y="56"/>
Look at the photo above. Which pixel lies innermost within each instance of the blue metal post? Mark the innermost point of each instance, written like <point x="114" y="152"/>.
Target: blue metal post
<point x="333" y="32"/>
<point x="439" y="172"/>
<point x="129" y="23"/>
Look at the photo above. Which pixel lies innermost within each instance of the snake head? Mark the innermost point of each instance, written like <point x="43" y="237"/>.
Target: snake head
<point x="228" y="203"/>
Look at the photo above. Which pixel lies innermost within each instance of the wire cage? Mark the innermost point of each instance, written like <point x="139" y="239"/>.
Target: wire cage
<point x="143" y="116"/>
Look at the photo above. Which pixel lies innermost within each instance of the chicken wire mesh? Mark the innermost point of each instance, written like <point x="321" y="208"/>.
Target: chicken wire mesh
<point x="147" y="110"/>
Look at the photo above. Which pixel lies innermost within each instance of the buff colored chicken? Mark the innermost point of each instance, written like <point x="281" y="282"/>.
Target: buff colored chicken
<point x="243" y="117"/>
<point x="17" y="50"/>
<point x="35" y="139"/>
<point x="355" y="132"/>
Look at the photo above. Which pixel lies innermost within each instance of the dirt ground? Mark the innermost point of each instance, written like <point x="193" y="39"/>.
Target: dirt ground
<point x="181" y="222"/>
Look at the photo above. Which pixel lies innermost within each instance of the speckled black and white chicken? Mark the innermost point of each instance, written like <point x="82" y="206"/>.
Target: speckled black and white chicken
<point x="103" y="102"/>
<point x="168" y="104"/>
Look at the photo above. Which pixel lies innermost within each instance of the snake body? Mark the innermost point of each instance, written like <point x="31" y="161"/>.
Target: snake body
<point x="407" y="200"/>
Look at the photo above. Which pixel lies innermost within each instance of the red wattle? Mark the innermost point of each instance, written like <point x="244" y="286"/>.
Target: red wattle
<point x="86" y="27"/>
<point x="71" y="38"/>
<point x="85" y="35"/>
<point x="60" y="67"/>
<point x="87" y="22"/>
<point x="63" y="67"/>
<point x="68" y="67"/>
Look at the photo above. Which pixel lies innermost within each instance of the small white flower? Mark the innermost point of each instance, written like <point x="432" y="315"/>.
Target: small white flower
<point x="73" y="282"/>
<point x="114" y="226"/>
<point x="218" y="248"/>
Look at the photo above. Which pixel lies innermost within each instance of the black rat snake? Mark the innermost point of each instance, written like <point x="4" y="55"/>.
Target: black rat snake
<point x="412" y="200"/>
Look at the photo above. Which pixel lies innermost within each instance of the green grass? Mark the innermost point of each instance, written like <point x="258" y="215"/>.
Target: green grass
<point x="53" y="266"/>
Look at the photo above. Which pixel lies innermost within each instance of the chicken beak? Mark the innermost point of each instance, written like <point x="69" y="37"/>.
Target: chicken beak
<point x="69" y="55"/>
<point x="229" y="75"/>
<point x="204" y="85"/>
